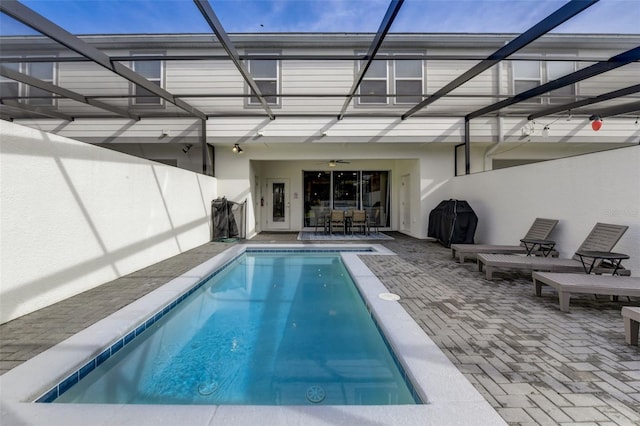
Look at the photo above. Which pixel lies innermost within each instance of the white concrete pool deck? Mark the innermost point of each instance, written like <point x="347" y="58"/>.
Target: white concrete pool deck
<point x="450" y="398"/>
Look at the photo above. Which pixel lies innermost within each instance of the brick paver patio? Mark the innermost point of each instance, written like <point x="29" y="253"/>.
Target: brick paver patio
<point x="532" y="362"/>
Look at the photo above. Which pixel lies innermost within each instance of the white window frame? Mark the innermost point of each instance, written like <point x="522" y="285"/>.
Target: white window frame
<point x="7" y="80"/>
<point x="396" y="79"/>
<point x="52" y="80"/>
<point x="391" y="79"/>
<point x="515" y="78"/>
<point x="573" y="87"/>
<point x="160" y="80"/>
<point x="249" y="102"/>
<point x="362" y="99"/>
<point x="545" y="77"/>
<point x="24" y="90"/>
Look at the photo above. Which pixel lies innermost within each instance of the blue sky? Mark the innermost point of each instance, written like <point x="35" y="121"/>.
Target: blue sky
<point x="169" y="16"/>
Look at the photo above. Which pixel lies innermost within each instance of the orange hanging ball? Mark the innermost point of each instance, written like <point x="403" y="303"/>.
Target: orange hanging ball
<point x="596" y="124"/>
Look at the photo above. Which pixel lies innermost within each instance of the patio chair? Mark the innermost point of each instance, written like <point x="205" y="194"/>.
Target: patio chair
<point x="374" y="221"/>
<point x="540" y="230"/>
<point x="337" y="219"/>
<point x="359" y="219"/>
<point x="602" y="238"/>
<point x="320" y="216"/>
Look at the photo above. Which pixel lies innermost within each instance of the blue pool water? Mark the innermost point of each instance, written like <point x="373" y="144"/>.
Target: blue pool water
<point x="270" y="329"/>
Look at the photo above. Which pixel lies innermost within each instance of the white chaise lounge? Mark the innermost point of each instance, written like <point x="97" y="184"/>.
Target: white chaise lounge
<point x="568" y="284"/>
<point x="603" y="237"/>
<point x="540" y="230"/>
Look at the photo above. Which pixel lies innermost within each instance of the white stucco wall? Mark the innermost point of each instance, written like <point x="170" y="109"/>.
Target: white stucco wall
<point x="579" y="191"/>
<point x="74" y="216"/>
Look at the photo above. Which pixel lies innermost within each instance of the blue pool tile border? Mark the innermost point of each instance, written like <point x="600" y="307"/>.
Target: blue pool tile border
<point x="65" y="384"/>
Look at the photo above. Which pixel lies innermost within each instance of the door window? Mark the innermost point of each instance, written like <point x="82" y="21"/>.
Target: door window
<point x="278" y="202"/>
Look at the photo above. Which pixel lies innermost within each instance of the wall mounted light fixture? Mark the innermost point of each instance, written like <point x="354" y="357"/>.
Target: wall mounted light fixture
<point x="186" y="148"/>
<point x="545" y="132"/>
<point x="596" y="122"/>
<point x="236" y="148"/>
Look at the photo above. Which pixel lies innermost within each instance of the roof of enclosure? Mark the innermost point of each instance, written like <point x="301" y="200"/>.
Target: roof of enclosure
<point x="396" y="22"/>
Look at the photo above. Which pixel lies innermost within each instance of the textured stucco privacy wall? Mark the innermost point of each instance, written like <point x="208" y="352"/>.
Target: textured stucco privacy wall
<point x="579" y="191"/>
<point x="74" y="216"/>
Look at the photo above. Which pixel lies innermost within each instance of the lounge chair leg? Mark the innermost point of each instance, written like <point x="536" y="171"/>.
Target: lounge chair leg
<point x="564" y="298"/>
<point x="479" y="265"/>
<point x="489" y="271"/>
<point x="538" y="285"/>
<point x="631" y="328"/>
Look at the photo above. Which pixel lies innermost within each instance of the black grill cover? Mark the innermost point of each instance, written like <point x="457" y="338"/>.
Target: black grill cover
<point x="453" y="222"/>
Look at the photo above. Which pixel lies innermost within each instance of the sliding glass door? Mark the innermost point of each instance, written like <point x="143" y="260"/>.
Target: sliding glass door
<point x="376" y="196"/>
<point x="317" y="197"/>
<point x="347" y="190"/>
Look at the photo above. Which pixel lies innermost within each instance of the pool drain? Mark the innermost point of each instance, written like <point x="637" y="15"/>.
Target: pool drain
<point x="205" y="389"/>
<point x="315" y="394"/>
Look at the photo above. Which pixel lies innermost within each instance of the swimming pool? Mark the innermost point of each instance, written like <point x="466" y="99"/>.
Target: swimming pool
<point x="451" y="398"/>
<point x="271" y="328"/>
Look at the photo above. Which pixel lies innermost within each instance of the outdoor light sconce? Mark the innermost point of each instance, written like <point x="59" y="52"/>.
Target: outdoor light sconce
<point x="186" y="148"/>
<point x="596" y="122"/>
<point x="236" y="148"/>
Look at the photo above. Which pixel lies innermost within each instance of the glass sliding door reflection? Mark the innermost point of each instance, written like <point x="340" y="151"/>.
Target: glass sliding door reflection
<point x="376" y="196"/>
<point x="346" y="190"/>
<point x="317" y="197"/>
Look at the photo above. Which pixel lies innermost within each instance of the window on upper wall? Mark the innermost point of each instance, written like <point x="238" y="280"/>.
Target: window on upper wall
<point x="265" y="73"/>
<point x="152" y="70"/>
<point x="9" y="88"/>
<point x="530" y="74"/>
<point x="373" y="87"/>
<point x="407" y="82"/>
<point x="526" y="76"/>
<point x="555" y="70"/>
<point x="42" y="71"/>
<point x="38" y="97"/>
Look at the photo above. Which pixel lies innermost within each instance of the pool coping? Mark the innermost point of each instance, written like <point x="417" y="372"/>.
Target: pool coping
<point x="450" y="398"/>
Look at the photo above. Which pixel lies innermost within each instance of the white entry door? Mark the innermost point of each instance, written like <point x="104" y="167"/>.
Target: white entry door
<point x="277" y="204"/>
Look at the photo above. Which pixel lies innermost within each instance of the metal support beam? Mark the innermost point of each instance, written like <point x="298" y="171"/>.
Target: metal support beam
<point x="558" y="17"/>
<point x="614" y="62"/>
<point x="467" y="147"/>
<point x="588" y="101"/>
<point x="45" y="112"/>
<point x="49" y="87"/>
<point x="618" y="109"/>
<point x="203" y="144"/>
<point x="215" y="24"/>
<point x="455" y="158"/>
<point x="286" y="57"/>
<point x="30" y="18"/>
<point x="385" y="25"/>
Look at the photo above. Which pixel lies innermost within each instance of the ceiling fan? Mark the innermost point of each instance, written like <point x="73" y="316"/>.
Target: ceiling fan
<point x="333" y="163"/>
